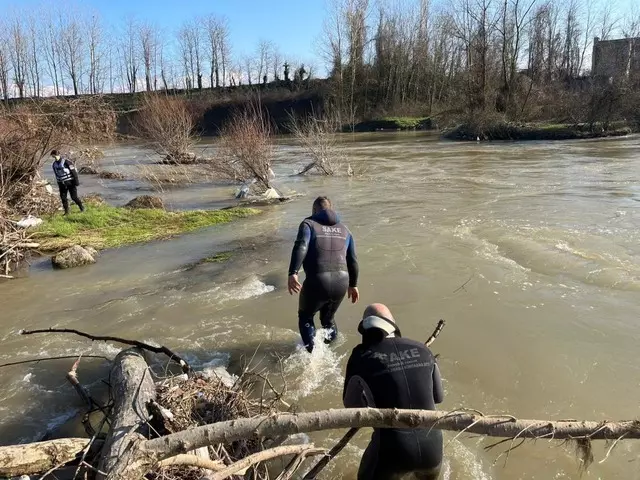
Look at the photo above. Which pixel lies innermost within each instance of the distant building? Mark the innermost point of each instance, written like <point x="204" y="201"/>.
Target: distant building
<point x="616" y="59"/>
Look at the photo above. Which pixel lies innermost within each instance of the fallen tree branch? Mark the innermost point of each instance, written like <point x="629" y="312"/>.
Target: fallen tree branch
<point x="135" y="343"/>
<point x="193" y="461"/>
<point x="34" y="458"/>
<point x="132" y="389"/>
<point x="63" y="357"/>
<point x="313" y="473"/>
<point x="287" y="424"/>
<point x="263" y="456"/>
<point x="72" y="378"/>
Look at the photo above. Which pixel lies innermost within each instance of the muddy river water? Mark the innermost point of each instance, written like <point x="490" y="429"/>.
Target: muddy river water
<point x="545" y="238"/>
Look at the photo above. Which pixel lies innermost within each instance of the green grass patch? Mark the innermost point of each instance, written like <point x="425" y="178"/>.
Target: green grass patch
<point x="105" y="226"/>
<point x="406" y="122"/>
<point x="218" y="257"/>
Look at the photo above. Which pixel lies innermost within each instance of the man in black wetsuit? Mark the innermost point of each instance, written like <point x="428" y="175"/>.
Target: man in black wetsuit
<point x="388" y="371"/>
<point x="326" y="249"/>
<point x="68" y="181"/>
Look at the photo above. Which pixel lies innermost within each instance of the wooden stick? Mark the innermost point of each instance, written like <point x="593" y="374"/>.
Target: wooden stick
<point x="262" y="456"/>
<point x="38" y="360"/>
<point x="193" y="461"/>
<point x="135" y="343"/>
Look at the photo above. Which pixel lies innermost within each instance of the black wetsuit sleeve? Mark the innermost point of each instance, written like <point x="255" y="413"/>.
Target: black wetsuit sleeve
<point x="438" y="391"/>
<point x="352" y="262"/>
<point x="350" y="372"/>
<point x="300" y="248"/>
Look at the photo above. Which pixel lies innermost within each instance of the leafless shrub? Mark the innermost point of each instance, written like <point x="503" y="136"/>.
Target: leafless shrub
<point x="317" y="136"/>
<point x="246" y="150"/>
<point x="161" y="177"/>
<point x="168" y="124"/>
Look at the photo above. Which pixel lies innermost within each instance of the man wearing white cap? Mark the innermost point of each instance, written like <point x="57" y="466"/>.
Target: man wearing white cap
<point x="389" y="371"/>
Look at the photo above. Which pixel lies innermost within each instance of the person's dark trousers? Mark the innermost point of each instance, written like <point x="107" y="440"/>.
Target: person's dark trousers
<point x="321" y="293"/>
<point x="71" y="189"/>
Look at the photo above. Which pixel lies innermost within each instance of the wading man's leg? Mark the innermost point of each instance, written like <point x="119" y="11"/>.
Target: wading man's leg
<point x="312" y="299"/>
<point x="63" y="197"/>
<point x="327" y="318"/>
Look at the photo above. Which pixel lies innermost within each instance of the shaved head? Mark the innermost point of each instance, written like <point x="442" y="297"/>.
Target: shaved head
<point x="377" y="309"/>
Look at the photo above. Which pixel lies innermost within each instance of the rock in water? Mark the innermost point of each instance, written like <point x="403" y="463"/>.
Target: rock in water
<point x="146" y="201"/>
<point x="87" y="170"/>
<point x="75" y="256"/>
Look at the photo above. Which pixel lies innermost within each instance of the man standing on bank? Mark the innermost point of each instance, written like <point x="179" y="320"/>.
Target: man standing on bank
<point x="388" y="371"/>
<point x="326" y="249"/>
<point x="68" y="181"/>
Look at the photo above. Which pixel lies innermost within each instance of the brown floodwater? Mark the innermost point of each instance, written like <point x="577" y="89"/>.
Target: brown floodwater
<point x="544" y="237"/>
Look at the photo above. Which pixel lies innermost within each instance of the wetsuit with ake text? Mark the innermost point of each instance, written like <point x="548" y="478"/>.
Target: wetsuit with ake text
<point x="396" y="373"/>
<point x="326" y="250"/>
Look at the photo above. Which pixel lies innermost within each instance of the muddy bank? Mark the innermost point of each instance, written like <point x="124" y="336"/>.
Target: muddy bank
<point x="513" y="131"/>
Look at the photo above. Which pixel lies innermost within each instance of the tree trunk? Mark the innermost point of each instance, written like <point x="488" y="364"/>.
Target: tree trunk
<point x="33" y="458"/>
<point x="132" y="388"/>
<point x="287" y="424"/>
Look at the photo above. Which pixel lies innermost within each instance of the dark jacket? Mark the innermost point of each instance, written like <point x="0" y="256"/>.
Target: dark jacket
<point x="324" y="244"/>
<point x="65" y="172"/>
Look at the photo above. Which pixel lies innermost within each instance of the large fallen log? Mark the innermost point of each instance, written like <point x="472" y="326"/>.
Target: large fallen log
<point x="32" y="458"/>
<point x="461" y="421"/>
<point x="132" y="387"/>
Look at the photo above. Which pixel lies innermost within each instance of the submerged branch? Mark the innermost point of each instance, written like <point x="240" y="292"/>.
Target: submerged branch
<point x="135" y="343"/>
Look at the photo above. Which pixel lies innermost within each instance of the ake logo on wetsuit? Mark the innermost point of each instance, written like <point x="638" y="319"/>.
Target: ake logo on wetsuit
<point x="326" y="229"/>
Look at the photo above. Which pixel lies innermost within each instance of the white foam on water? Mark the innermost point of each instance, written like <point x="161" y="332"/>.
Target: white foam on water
<point x="464" y="463"/>
<point x="27" y="378"/>
<point x="248" y="288"/>
<point x="317" y="371"/>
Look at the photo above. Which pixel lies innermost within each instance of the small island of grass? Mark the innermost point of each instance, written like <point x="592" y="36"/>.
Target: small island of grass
<point x="392" y="123"/>
<point x="105" y="226"/>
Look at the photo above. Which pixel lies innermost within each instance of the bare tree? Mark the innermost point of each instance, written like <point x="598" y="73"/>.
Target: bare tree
<point x="189" y="38"/>
<point x="34" y="48"/>
<point x="18" y="53"/>
<point x="95" y="39"/>
<point x="607" y="21"/>
<point x="52" y="49"/>
<point x="5" y="63"/>
<point x="263" y="59"/>
<point x="72" y="48"/>
<point x="216" y="35"/>
<point x="130" y="55"/>
<point x="276" y="63"/>
<point x="149" y="49"/>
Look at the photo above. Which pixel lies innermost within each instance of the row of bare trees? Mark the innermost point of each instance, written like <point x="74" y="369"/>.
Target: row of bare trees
<point x="71" y="51"/>
<point x="471" y="55"/>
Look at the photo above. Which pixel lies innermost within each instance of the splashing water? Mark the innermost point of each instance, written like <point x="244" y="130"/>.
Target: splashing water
<point x="315" y="372"/>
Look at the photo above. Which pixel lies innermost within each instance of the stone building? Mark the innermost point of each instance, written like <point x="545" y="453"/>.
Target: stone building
<point x="616" y="59"/>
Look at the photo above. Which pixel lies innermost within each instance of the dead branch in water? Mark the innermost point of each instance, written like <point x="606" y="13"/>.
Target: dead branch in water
<point x="63" y="357"/>
<point x="246" y="463"/>
<point x="135" y="343"/>
<point x="344" y="441"/>
<point x="72" y="378"/>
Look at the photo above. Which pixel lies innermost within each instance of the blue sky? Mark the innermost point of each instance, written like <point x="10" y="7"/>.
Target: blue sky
<point x="293" y="25"/>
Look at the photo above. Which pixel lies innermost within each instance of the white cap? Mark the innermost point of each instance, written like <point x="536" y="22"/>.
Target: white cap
<point x="376" y="322"/>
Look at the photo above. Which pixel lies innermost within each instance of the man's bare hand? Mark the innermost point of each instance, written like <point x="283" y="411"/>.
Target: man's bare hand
<point x="293" y="284"/>
<point x="353" y="294"/>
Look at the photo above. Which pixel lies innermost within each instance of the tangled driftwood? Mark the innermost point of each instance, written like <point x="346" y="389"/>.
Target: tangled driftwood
<point x="152" y="432"/>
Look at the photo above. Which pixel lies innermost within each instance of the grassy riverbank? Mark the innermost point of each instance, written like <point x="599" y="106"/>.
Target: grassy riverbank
<point x="105" y="226"/>
<point x="536" y="131"/>
<point x="392" y="123"/>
